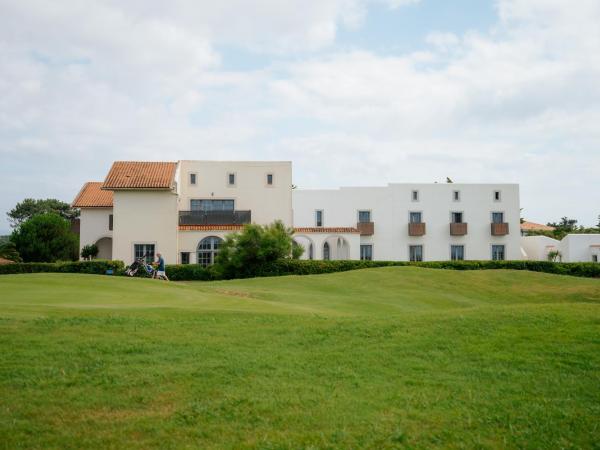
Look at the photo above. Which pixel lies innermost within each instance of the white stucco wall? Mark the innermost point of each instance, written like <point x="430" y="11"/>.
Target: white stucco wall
<point x="93" y="226"/>
<point x="390" y="206"/>
<point x="537" y="247"/>
<point x="250" y="192"/>
<point x="580" y="247"/>
<point x="145" y="217"/>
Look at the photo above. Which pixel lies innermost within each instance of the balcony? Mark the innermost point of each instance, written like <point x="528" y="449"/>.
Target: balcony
<point x="458" y="229"/>
<point x="416" y="229"/>
<point x="366" y="228"/>
<point x="214" y="217"/>
<point x="499" y="229"/>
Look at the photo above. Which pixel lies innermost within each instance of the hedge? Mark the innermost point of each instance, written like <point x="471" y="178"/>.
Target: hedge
<point x="98" y="267"/>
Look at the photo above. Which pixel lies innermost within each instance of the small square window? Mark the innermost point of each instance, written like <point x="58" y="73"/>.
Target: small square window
<point x="415" y="196"/>
<point x="595" y="258"/>
<point x="497" y="196"/>
<point x="497" y="217"/>
<point x="457" y="252"/>
<point x="270" y="179"/>
<point x="415" y="253"/>
<point x="231" y="179"/>
<point x="192" y="178"/>
<point x="364" y="216"/>
<point x="415" y="217"/>
<point x="456" y="217"/>
<point x="145" y="251"/>
<point x="498" y="252"/>
<point x="319" y="218"/>
<point x="456" y="196"/>
<point x="185" y="257"/>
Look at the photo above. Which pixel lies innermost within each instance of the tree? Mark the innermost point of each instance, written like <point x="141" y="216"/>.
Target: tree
<point x="9" y="251"/>
<point x="30" y="207"/>
<point x="89" y="251"/>
<point x="598" y="224"/>
<point x="553" y="255"/>
<point x="45" y="238"/>
<point x="242" y="254"/>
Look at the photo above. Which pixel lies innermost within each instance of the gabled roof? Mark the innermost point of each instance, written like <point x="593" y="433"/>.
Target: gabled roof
<point x="140" y="175"/>
<point x="527" y="226"/>
<point x="92" y="196"/>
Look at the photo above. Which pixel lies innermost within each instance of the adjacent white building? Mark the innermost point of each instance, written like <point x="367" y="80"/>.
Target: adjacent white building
<point x="184" y="209"/>
<point x="572" y="248"/>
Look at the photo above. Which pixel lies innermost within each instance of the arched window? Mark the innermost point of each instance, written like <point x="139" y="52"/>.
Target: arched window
<point x="326" y="251"/>
<point x="208" y="248"/>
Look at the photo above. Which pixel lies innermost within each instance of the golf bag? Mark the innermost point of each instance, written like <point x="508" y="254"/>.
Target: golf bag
<point x="139" y="263"/>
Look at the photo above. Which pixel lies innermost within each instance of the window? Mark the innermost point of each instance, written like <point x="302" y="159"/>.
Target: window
<point x="364" y="216"/>
<point x="415" y="217"/>
<point x="270" y="179"/>
<point x="366" y="252"/>
<point x="185" y="257"/>
<point x="326" y="255"/>
<point x="145" y="251"/>
<point x="456" y="217"/>
<point x="110" y="222"/>
<point x="211" y="205"/>
<point x="594" y="258"/>
<point x="498" y="252"/>
<point x="415" y="196"/>
<point x="496" y="196"/>
<point x="415" y="252"/>
<point x="231" y="179"/>
<point x="456" y="196"/>
<point x="497" y="217"/>
<point x="192" y="178"/>
<point x="319" y="218"/>
<point x="208" y="248"/>
<point x="457" y="252"/>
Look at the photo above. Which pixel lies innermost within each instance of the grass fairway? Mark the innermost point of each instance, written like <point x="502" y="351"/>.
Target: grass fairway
<point x="398" y="357"/>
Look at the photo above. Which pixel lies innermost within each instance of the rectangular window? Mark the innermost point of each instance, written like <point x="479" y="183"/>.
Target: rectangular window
<point x="497" y="217"/>
<point x="415" y="196"/>
<point x="192" y="178"/>
<point x="496" y="196"/>
<point x="185" y="257"/>
<point x="231" y="179"/>
<point x="498" y="252"/>
<point x="415" y="217"/>
<point x="364" y="216"/>
<point x="319" y="218"/>
<point x="270" y="179"/>
<point x="456" y="217"/>
<point x="594" y="258"/>
<point x="415" y="252"/>
<point x="211" y="205"/>
<point x="456" y="196"/>
<point x="144" y="251"/>
<point x="110" y="222"/>
<point x="457" y="252"/>
<point x="366" y="252"/>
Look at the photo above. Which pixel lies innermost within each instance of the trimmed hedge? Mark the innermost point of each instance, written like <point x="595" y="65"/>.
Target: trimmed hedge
<point x="190" y="272"/>
<point x="98" y="267"/>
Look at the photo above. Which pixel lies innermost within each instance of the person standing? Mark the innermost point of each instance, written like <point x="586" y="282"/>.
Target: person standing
<point x="160" y="270"/>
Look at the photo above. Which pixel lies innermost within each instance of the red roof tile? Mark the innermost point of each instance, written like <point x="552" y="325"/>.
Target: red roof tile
<point x="140" y="175"/>
<point x="92" y="196"/>
<point x="535" y="226"/>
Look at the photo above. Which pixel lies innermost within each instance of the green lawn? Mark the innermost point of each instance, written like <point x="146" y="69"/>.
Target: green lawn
<point x="398" y="357"/>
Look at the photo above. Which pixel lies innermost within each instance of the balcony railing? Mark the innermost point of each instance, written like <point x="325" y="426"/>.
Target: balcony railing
<point x="416" y="229"/>
<point x="458" y="229"/>
<point x="366" y="228"/>
<point x="214" y="217"/>
<point x="499" y="229"/>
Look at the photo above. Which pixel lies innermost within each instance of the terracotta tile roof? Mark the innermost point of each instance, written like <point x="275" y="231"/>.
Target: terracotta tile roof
<point x="210" y="227"/>
<point x="6" y="261"/>
<point x="326" y="230"/>
<point x="535" y="226"/>
<point x="140" y="175"/>
<point x="92" y="196"/>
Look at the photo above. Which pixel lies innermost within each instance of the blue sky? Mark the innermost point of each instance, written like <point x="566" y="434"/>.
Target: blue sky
<point x="353" y="92"/>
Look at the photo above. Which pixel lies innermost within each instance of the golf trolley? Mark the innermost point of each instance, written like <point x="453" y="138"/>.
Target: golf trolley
<point x="140" y="263"/>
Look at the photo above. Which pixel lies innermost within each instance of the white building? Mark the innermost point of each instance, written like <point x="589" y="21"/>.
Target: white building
<point x="572" y="248"/>
<point x="184" y="209"/>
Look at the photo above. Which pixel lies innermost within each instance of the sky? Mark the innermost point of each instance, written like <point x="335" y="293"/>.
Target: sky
<point x="353" y="92"/>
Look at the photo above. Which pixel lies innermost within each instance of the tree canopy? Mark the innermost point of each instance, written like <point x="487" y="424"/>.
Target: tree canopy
<point x="30" y="207"/>
<point x="45" y="238"/>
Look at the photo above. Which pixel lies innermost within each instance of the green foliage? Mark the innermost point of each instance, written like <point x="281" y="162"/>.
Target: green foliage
<point x="554" y="255"/>
<point x="98" y="267"/>
<point x="243" y="254"/>
<point x="565" y="226"/>
<point x="30" y="207"/>
<point x="9" y="251"/>
<point x="189" y="272"/>
<point x="89" y="251"/>
<point x="46" y="238"/>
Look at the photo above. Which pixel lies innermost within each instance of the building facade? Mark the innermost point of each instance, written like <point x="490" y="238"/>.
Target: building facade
<point x="184" y="209"/>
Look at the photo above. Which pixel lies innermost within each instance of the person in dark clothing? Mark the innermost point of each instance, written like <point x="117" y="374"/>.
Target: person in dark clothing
<point x="160" y="270"/>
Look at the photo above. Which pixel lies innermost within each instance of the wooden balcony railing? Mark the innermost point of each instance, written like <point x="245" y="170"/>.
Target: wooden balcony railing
<point x="499" y="229"/>
<point x="416" y="229"/>
<point x="458" y="229"/>
<point x="366" y="228"/>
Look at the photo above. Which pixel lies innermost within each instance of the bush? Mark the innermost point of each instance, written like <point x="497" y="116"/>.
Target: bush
<point x="190" y="272"/>
<point x="8" y="250"/>
<point x="98" y="267"/>
<point x="89" y="251"/>
<point x="46" y="238"/>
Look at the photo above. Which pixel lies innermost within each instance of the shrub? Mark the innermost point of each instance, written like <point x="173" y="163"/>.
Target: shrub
<point x="89" y="251"/>
<point x="98" y="267"/>
<point x="8" y="250"/>
<point x="45" y="238"/>
<point x="190" y="272"/>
